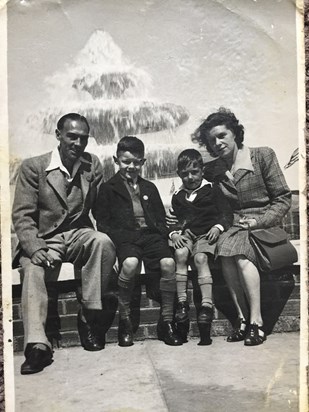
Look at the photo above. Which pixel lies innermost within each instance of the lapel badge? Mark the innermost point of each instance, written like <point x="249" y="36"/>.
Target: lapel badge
<point x="145" y="197"/>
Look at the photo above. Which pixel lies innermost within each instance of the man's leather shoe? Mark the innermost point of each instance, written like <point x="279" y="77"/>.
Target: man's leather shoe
<point x="89" y="340"/>
<point x="182" y="311"/>
<point x="125" y="332"/>
<point x="36" y="360"/>
<point x="166" y="333"/>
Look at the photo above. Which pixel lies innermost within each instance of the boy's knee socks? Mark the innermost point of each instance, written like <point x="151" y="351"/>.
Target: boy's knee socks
<point x="168" y="285"/>
<point x="125" y="294"/>
<point x="181" y="285"/>
<point x="205" y="283"/>
<point x="168" y="289"/>
<point x="125" y="281"/>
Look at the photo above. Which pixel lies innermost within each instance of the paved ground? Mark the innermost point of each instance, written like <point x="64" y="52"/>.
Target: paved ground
<point x="151" y="376"/>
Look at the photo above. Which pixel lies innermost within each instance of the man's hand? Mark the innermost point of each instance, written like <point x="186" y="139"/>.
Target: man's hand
<point x="42" y="258"/>
<point x="179" y="241"/>
<point x="213" y="234"/>
<point x="171" y="219"/>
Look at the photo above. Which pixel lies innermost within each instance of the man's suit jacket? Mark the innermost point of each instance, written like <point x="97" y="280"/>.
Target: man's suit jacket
<point x="115" y="214"/>
<point x="40" y="205"/>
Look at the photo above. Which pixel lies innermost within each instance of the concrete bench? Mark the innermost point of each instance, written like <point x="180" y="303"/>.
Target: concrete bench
<point x="67" y="272"/>
<point x="280" y="300"/>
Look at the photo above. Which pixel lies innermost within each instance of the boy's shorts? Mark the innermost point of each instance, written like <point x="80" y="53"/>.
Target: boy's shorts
<point x="198" y="244"/>
<point x="149" y="247"/>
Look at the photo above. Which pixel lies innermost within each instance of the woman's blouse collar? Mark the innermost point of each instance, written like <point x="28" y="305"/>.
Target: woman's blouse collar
<point x="242" y="160"/>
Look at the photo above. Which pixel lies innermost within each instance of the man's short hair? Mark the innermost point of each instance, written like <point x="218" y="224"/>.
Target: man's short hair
<point x="189" y="156"/>
<point x="131" y="144"/>
<point x="72" y="116"/>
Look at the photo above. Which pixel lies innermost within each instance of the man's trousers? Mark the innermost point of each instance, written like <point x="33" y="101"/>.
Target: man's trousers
<point x="93" y="255"/>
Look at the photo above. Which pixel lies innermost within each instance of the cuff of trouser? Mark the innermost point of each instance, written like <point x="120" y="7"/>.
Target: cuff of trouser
<point x="92" y="304"/>
<point x="35" y="340"/>
<point x="168" y="285"/>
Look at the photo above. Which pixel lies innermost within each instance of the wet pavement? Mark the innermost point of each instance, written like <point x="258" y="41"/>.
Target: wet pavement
<point x="151" y="376"/>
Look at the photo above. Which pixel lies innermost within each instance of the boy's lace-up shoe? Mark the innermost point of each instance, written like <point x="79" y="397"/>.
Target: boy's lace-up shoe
<point x="206" y="314"/>
<point x="182" y="312"/>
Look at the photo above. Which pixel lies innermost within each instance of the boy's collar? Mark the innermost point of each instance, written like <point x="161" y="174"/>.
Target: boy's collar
<point x="129" y="181"/>
<point x="203" y="183"/>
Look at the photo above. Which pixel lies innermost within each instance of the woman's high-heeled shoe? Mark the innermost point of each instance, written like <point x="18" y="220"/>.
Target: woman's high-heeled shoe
<point x="255" y="335"/>
<point x="239" y="331"/>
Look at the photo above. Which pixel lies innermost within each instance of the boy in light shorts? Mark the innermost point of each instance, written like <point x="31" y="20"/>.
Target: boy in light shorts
<point x="202" y="213"/>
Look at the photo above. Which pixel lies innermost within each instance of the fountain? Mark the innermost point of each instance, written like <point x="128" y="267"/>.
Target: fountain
<point x="113" y="95"/>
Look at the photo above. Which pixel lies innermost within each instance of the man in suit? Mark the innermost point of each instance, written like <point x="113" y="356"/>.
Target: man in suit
<point x="55" y="193"/>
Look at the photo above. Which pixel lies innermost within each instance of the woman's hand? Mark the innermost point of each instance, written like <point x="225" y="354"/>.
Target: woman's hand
<point x="213" y="234"/>
<point x="247" y="222"/>
<point x="171" y="219"/>
<point x="179" y="241"/>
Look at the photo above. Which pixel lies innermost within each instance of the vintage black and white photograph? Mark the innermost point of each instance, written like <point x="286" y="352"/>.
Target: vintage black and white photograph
<point x="155" y="205"/>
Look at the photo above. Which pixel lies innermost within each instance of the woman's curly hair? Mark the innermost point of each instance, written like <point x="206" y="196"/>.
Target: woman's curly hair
<point x="223" y="117"/>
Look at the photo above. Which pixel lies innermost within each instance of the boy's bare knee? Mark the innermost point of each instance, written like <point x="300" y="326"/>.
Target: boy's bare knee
<point x="200" y="259"/>
<point x="167" y="265"/>
<point x="181" y="255"/>
<point x="130" y="264"/>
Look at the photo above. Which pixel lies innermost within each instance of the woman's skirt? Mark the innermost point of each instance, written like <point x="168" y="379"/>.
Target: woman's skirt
<point x="235" y="241"/>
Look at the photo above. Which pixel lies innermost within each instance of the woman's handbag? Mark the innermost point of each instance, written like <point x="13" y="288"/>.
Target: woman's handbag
<point x="272" y="248"/>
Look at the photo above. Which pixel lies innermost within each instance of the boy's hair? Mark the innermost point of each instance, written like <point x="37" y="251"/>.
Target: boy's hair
<point x="189" y="156"/>
<point x="131" y="144"/>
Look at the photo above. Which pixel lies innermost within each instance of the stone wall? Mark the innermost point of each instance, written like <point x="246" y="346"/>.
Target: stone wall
<point x="280" y="295"/>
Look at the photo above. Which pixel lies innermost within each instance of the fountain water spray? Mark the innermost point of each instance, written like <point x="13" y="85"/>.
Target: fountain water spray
<point x="114" y="96"/>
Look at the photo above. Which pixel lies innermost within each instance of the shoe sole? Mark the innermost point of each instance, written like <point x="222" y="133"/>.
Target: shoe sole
<point x="255" y="344"/>
<point x="28" y="372"/>
<point x="92" y="349"/>
<point x="125" y="345"/>
<point x="207" y="343"/>
<point x="235" y="340"/>
<point x="170" y="344"/>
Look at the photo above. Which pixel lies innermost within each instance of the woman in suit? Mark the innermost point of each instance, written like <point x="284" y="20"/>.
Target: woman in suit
<point x="253" y="182"/>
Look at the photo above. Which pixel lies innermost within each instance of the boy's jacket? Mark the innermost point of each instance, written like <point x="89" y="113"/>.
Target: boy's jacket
<point x="115" y="214"/>
<point x="208" y="208"/>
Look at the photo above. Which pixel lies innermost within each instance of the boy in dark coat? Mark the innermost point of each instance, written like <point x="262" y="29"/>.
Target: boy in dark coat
<point x="130" y="210"/>
<point x="202" y="213"/>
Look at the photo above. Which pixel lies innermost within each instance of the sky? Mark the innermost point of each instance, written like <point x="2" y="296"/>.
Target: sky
<point x="201" y="54"/>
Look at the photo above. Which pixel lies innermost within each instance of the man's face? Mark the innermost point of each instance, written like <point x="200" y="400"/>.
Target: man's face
<point x="73" y="139"/>
<point x="129" y="165"/>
